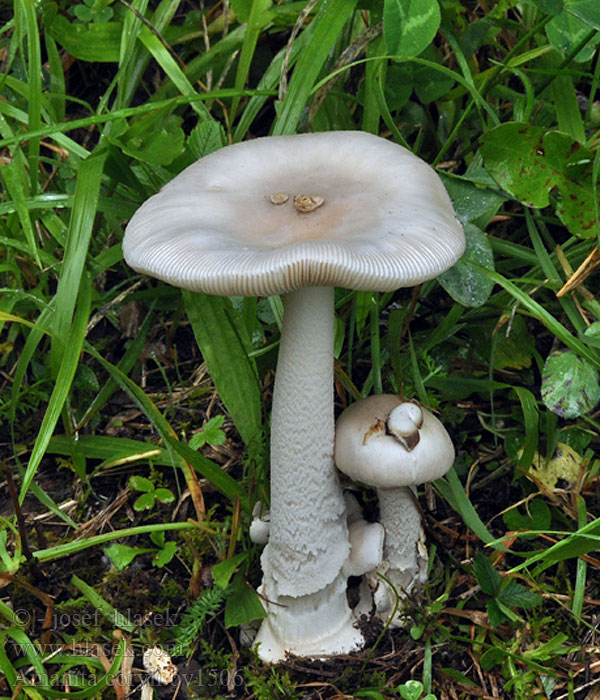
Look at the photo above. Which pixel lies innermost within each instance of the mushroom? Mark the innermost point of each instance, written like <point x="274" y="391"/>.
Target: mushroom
<point x="297" y="216"/>
<point x="394" y="445"/>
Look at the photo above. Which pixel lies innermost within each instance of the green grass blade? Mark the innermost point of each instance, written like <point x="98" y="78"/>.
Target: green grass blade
<point x="15" y="180"/>
<point x="172" y="69"/>
<point x="25" y="14"/>
<point x="69" y="548"/>
<point x="222" y="338"/>
<point x="64" y="378"/>
<point x="209" y="470"/>
<point x="454" y="493"/>
<point x="543" y="315"/>
<point x="111" y="614"/>
<point x="329" y="22"/>
<point x="81" y="224"/>
<point x="254" y="26"/>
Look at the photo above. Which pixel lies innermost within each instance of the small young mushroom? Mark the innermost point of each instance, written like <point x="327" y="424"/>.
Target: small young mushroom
<point x="378" y="219"/>
<point x="394" y="445"/>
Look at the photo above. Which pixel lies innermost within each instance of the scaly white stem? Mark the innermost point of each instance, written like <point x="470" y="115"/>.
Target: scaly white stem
<point x="304" y="561"/>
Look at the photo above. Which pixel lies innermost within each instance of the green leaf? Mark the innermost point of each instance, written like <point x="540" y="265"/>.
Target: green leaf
<point x="473" y="202"/>
<point x="222" y="338"/>
<point x="211" y="433"/>
<point x="409" y="26"/>
<point x="487" y="577"/>
<point x="144" y="502"/>
<point x="92" y="42"/>
<point x="164" y="555"/>
<point x="570" y="386"/>
<point x="491" y="657"/>
<point x="122" y="555"/>
<point x="243" y="604"/>
<point x="565" y="31"/>
<point x="155" y="138"/>
<point x="536" y="517"/>
<point x="224" y="570"/>
<point x="205" y="138"/>
<point x="494" y="613"/>
<point x="586" y="10"/>
<point x="164" y="495"/>
<point x="158" y="538"/>
<point x="518" y="596"/>
<point x="465" y="283"/>
<point x="140" y="483"/>
<point x="220" y="479"/>
<point x="529" y="162"/>
<point x="591" y="335"/>
<point x="411" y="690"/>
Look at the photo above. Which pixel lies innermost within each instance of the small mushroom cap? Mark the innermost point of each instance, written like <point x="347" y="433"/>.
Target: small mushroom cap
<point x="224" y="225"/>
<point x="365" y="451"/>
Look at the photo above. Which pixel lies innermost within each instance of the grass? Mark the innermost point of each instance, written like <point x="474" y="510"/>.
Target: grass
<point x="113" y="386"/>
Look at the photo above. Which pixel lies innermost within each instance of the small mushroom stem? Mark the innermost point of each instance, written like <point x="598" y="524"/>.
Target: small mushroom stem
<point x="404" y="552"/>
<point x="308" y="548"/>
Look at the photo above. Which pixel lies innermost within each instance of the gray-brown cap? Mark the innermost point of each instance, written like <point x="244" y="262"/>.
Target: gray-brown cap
<point x="340" y="208"/>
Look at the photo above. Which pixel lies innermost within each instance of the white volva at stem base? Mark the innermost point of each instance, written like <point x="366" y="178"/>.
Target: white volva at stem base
<point x="305" y="560"/>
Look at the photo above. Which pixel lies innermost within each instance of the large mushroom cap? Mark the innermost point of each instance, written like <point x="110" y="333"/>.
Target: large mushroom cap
<point x="366" y="451"/>
<point x="228" y="224"/>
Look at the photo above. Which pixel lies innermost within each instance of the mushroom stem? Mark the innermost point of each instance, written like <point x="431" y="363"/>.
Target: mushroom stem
<point x="308" y="544"/>
<point x="309" y="539"/>
<point x="404" y="552"/>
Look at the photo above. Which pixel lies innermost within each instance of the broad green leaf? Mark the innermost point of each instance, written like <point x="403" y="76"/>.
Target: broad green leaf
<point x="140" y="483"/>
<point x="242" y="604"/>
<point x="98" y="42"/>
<point x="409" y="26"/>
<point x="165" y="555"/>
<point x="121" y="555"/>
<point x="211" y="433"/>
<point x="156" y="138"/>
<point x="145" y="501"/>
<point x="565" y="31"/>
<point x="164" y="495"/>
<point x="518" y="596"/>
<point x="586" y="10"/>
<point x="570" y="386"/>
<point x="224" y="570"/>
<point x="206" y="137"/>
<point x="411" y="690"/>
<point x="474" y="203"/>
<point x="465" y="283"/>
<point x="552" y="7"/>
<point x="529" y="162"/>
<point x="591" y="335"/>
<point x="487" y="577"/>
<point x="537" y="516"/>
<point x="221" y="337"/>
<point x="491" y="657"/>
